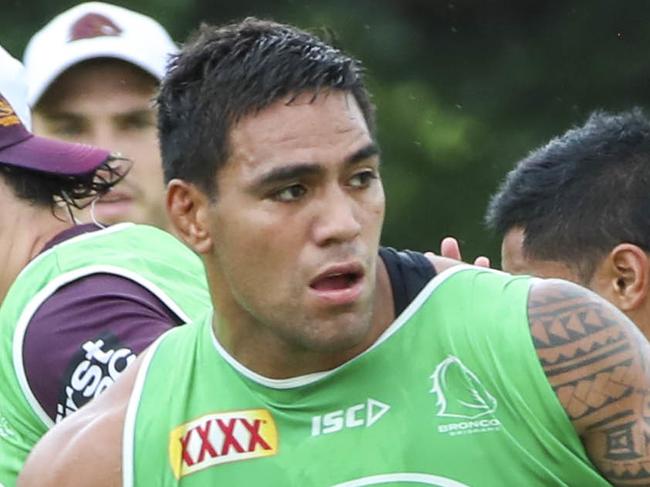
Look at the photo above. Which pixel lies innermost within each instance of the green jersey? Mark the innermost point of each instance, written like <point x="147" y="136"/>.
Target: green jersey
<point x="145" y="255"/>
<point x="451" y="395"/>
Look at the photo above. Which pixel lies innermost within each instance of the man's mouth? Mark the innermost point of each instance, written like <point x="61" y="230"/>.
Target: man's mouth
<point x="335" y="282"/>
<point x="115" y="197"/>
<point x="115" y="206"/>
<point x="339" y="284"/>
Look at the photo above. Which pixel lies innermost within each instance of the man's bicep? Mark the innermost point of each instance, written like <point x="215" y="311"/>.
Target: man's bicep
<point x="598" y="364"/>
<point x="83" y="336"/>
<point x="62" y="458"/>
<point x="85" y="448"/>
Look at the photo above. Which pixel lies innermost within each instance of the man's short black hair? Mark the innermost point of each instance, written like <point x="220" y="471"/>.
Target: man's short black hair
<point x="581" y="194"/>
<point x="225" y="73"/>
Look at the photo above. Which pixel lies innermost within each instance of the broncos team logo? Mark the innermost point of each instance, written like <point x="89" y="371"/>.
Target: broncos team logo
<point x="459" y="392"/>
<point x="7" y="115"/>
<point x="93" y="25"/>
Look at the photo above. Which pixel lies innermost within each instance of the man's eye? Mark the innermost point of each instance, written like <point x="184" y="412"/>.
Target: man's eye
<point x="67" y="130"/>
<point x="363" y="179"/>
<point x="290" y="193"/>
<point x="137" y="122"/>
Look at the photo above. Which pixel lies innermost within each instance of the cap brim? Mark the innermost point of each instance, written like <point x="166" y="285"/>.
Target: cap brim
<point x="54" y="156"/>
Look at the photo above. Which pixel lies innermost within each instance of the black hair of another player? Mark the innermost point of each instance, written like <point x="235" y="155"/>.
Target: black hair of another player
<point x="51" y="190"/>
<point x="225" y="73"/>
<point x="581" y="194"/>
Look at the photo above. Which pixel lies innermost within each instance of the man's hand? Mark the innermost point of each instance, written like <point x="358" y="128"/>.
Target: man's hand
<point x="449" y="248"/>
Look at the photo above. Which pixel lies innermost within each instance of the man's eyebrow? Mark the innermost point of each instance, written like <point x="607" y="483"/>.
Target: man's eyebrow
<point x="137" y="112"/>
<point x="362" y="154"/>
<point x="299" y="170"/>
<point x="61" y="115"/>
<point x="287" y="173"/>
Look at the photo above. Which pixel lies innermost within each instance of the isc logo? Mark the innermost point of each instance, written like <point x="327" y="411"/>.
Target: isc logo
<point x="364" y="414"/>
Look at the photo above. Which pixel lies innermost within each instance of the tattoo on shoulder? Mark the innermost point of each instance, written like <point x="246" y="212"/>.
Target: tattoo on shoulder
<point x="599" y="366"/>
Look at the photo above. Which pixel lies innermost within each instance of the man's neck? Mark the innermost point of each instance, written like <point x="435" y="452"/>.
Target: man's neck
<point x="269" y="356"/>
<point x="26" y="229"/>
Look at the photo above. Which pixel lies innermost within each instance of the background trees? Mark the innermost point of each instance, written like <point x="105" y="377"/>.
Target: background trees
<point x="464" y="87"/>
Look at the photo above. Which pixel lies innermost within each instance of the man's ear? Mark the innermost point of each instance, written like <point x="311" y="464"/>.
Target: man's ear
<point x="624" y="277"/>
<point x="188" y="211"/>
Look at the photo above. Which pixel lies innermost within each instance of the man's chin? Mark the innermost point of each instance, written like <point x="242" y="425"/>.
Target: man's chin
<point x="345" y="332"/>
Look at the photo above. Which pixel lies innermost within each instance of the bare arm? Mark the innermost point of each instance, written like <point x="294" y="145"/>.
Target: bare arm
<point x="85" y="448"/>
<point x="598" y="363"/>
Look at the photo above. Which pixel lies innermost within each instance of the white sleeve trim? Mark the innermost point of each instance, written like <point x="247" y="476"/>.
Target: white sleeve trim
<point x="51" y="287"/>
<point x="128" y="433"/>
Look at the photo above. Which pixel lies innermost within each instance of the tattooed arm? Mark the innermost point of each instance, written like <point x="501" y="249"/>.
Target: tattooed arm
<point x="598" y="363"/>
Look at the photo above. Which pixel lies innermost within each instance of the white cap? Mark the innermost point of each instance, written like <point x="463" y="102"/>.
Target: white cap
<point x="94" y="30"/>
<point x="20" y="148"/>
<point x="13" y="87"/>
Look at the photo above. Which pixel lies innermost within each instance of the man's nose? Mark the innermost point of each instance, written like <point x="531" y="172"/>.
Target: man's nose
<point x="105" y="136"/>
<point x="337" y="219"/>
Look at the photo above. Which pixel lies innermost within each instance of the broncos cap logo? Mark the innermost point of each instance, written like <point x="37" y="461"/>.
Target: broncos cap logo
<point x="93" y="25"/>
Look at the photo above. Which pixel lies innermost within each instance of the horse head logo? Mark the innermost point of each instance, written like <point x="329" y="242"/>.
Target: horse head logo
<point x="459" y="392"/>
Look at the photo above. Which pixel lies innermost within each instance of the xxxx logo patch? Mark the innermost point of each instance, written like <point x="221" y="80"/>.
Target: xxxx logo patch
<point x="7" y="115"/>
<point x="222" y="438"/>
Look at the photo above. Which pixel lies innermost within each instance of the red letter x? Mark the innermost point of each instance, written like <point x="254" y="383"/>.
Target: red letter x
<point x="186" y="455"/>
<point x="229" y="439"/>
<point x="206" y="446"/>
<point x="254" y="430"/>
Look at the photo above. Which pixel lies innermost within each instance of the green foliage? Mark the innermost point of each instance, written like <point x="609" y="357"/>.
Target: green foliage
<point x="464" y="88"/>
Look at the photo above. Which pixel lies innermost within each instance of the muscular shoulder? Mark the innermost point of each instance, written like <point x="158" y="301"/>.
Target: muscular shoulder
<point x="85" y="448"/>
<point x="598" y="363"/>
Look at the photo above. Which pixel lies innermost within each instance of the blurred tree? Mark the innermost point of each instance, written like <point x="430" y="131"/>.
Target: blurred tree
<point x="464" y="88"/>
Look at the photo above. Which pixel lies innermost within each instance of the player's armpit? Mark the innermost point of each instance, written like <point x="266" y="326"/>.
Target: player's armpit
<point x="598" y="363"/>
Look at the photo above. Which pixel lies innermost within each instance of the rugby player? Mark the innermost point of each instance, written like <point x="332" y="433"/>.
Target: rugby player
<point x="80" y="301"/>
<point x="577" y="208"/>
<point x="92" y="72"/>
<point x="77" y="301"/>
<point x="303" y="375"/>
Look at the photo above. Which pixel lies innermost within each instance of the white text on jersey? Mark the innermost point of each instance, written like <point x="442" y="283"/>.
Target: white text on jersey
<point x="363" y="414"/>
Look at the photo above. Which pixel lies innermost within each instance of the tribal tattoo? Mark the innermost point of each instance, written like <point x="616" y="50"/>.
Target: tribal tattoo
<point x="598" y="363"/>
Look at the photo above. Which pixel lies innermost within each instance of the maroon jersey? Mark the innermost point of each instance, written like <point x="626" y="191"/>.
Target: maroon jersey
<point x="86" y="333"/>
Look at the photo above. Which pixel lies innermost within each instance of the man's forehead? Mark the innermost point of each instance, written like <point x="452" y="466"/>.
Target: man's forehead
<point x="303" y="121"/>
<point x="324" y="133"/>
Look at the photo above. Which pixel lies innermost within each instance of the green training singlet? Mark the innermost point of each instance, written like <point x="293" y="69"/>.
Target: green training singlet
<point x="451" y="395"/>
<point x="152" y="258"/>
